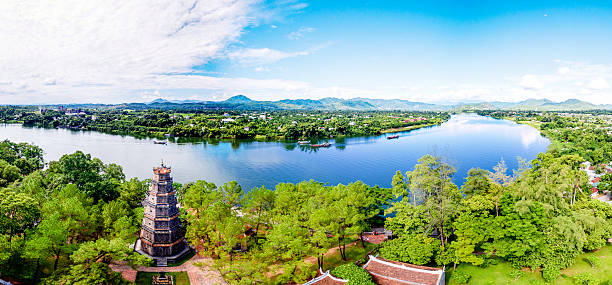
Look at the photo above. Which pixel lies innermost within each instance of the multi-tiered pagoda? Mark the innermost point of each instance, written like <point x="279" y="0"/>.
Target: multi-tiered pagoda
<point x="161" y="236"/>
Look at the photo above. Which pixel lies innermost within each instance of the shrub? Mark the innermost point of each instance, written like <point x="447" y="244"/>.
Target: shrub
<point x="461" y="277"/>
<point x="414" y="249"/>
<point x="594" y="260"/>
<point x="516" y="274"/>
<point x="550" y="273"/>
<point x="586" y="278"/>
<point x="353" y="273"/>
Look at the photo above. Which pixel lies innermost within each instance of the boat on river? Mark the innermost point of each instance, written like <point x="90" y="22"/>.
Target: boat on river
<point x="321" y="145"/>
<point x="303" y="142"/>
<point x="160" y="142"/>
<point x="393" y="137"/>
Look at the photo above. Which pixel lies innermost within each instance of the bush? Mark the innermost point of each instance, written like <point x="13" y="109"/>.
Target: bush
<point x="353" y="273"/>
<point x="594" y="260"/>
<point x="412" y="249"/>
<point x="550" y="273"/>
<point x="586" y="278"/>
<point x="516" y="274"/>
<point x="461" y="277"/>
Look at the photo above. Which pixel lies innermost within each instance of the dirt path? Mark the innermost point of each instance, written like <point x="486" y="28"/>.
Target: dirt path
<point x="197" y="275"/>
<point x="313" y="259"/>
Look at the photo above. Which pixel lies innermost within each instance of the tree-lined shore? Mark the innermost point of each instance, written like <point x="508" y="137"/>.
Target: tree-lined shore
<point x="66" y="223"/>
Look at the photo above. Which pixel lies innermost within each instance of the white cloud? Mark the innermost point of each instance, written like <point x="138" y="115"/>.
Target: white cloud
<point x="300" y="33"/>
<point x="262" y="55"/>
<point x="530" y="81"/>
<point x="261" y="69"/>
<point x="598" y="84"/>
<point x="90" y="48"/>
<point x="563" y="70"/>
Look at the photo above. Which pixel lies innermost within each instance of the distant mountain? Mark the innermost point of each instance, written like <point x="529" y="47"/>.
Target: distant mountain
<point x="162" y="101"/>
<point x="242" y="102"/>
<point x="239" y="99"/>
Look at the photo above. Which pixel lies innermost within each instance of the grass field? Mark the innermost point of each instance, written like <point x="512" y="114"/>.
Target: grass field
<point x="145" y="278"/>
<point x="500" y="274"/>
<point x="353" y="253"/>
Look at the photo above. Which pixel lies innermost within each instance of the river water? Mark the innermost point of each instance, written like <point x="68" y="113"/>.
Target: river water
<point x="466" y="140"/>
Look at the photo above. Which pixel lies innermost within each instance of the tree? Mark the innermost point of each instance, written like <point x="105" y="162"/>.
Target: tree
<point x="18" y="212"/>
<point x="430" y="183"/>
<point x="50" y="240"/>
<point x="473" y="227"/>
<point x="415" y="249"/>
<point x="476" y="183"/>
<point x="348" y="209"/>
<point x="214" y="223"/>
<point x="92" y="259"/>
<point x="259" y="203"/>
<point x="133" y="192"/>
<point x="353" y="273"/>
<point x="90" y="175"/>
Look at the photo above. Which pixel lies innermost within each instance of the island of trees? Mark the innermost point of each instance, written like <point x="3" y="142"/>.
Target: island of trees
<point x="67" y="223"/>
<point x="219" y="124"/>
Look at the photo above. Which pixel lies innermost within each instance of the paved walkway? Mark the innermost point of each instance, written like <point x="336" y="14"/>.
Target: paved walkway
<point x="197" y="275"/>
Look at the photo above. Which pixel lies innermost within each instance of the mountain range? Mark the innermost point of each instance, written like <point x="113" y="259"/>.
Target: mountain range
<point x="242" y="102"/>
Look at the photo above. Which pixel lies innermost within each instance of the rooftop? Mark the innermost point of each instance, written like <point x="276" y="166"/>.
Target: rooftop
<point x="394" y="273"/>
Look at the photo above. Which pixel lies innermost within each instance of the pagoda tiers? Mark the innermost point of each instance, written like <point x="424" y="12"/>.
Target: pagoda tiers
<point x="161" y="236"/>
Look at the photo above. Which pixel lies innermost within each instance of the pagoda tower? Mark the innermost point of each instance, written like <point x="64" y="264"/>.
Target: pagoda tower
<point x="161" y="235"/>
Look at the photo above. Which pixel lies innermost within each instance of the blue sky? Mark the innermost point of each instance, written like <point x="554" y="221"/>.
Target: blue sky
<point x="431" y="51"/>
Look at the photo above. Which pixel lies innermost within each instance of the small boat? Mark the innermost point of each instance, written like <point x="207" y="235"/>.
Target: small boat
<point x="160" y="142"/>
<point x="392" y="137"/>
<point x="321" y="145"/>
<point x="303" y="142"/>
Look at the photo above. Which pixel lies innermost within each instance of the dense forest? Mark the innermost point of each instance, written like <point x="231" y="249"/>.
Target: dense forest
<point x="67" y="223"/>
<point x="272" y="125"/>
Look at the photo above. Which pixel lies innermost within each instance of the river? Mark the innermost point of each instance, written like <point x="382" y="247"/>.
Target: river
<point x="466" y="140"/>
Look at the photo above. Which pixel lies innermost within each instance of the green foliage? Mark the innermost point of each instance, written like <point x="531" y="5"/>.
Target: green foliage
<point x="411" y="249"/>
<point x="594" y="260"/>
<point x="461" y="277"/>
<point x="353" y="273"/>
<point x="516" y="274"/>
<point x="586" y="278"/>
<point x="476" y="183"/>
<point x="90" y="175"/>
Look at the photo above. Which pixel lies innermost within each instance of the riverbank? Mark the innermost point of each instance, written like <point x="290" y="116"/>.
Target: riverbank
<point x="409" y="128"/>
<point x="255" y="163"/>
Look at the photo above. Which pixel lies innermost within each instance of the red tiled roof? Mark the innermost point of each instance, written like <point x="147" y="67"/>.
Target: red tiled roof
<point x="387" y="272"/>
<point x="594" y="190"/>
<point x="376" y="239"/>
<point x="597" y="179"/>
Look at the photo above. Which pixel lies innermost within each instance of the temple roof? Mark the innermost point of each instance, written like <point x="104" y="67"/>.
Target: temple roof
<point x="385" y="272"/>
<point x="326" y="279"/>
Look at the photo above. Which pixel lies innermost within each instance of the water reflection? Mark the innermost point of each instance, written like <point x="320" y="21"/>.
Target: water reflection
<point x="466" y="140"/>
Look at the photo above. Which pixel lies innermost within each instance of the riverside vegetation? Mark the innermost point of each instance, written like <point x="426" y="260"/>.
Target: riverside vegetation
<point x="67" y="223"/>
<point x="266" y="125"/>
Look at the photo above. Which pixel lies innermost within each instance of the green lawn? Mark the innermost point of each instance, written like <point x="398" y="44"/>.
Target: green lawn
<point x="500" y="274"/>
<point x="144" y="278"/>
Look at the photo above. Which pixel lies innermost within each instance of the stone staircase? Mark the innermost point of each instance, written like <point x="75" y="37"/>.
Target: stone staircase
<point x="161" y="262"/>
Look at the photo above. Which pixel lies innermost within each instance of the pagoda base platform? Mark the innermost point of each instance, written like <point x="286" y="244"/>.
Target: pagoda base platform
<point x="163" y="260"/>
